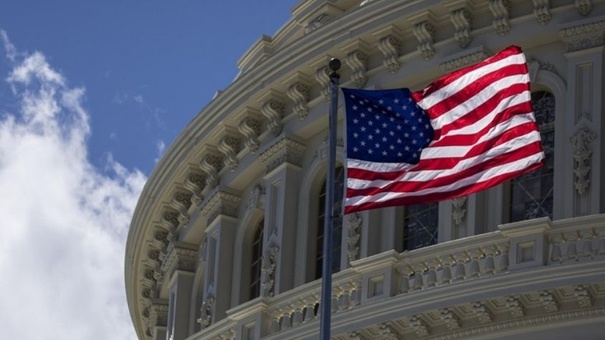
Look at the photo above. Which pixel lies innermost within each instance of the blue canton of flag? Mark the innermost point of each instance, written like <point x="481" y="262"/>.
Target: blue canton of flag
<point x="385" y="126"/>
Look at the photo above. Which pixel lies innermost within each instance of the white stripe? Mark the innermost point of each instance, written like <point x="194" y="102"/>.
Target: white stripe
<point x="473" y="179"/>
<point x="470" y="77"/>
<point x="428" y="175"/>
<point x="477" y="100"/>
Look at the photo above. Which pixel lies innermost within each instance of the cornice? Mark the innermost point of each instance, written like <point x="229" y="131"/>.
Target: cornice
<point x="284" y="150"/>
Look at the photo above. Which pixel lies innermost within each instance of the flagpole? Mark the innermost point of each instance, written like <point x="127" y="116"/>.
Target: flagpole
<point x="326" y="286"/>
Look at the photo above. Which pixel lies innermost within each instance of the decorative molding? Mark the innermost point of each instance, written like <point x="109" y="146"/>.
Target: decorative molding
<point x="353" y="225"/>
<point x="284" y="150"/>
<point x="179" y="257"/>
<point x="583" y="36"/>
<point x="170" y="222"/>
<point x="299" y="93"/>
<point x="584" y="7"/>
<point x="388" y="332"/>
<point x="357" y="60"/>
<point x="482" y="313"/>
<point x="221" y="203"/>
<point x="211" y="165"/>
<point x="317" y="22"/>
<point x="450" y="319"/>
<point x="181" y="201"/>
<point x="256" y="198"/>
<point x="515" y="307"/>
<point x="195" y="183"/>
<point x="207" y="311"/>
<point x="549" y="301"/>
<point x="542" y="11"/>
<point x="322" y="76"/>
<point x="582" y="156"/>
<point x="462" y="61"/>
<point x="419" y="326"/>
<point x="584" y="297"/>
<point x="390" y="47"/>
<point x="501" y="13"/>
<point x="230" y="146"/>
<point x="274" y="111"/>
<point x="424" y="32"/>
<point x="250" y="127"/>
<point x="270" y="260"/>
<point x="459" y="210"/>
<point x="462" y="21"/>
<point x="158" y="315"/>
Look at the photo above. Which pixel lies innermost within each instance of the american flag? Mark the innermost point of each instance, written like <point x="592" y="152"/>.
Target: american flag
<point x="467" y="131"/>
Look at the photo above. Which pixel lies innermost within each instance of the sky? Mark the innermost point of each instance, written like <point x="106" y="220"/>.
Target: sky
<point x="91" y="94"/>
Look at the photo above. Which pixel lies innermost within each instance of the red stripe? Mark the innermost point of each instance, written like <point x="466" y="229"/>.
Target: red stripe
<point x="453" y="76"/>
<point x="470" y="90"/>
<point x="467" y="190"/>
<point x="412" y="186"/>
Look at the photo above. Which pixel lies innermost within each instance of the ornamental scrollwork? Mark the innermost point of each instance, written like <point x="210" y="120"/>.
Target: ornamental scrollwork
<point x="269" y="269"/>
<point x="582" y="159"/>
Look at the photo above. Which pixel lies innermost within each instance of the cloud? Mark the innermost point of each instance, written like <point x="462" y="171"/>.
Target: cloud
<point x="64" y="221"/>
<point x="160" y="146"/>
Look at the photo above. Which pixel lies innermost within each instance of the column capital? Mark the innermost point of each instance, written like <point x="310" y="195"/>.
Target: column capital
<point x="583" y="35"/>
<point x="284" y="150"/>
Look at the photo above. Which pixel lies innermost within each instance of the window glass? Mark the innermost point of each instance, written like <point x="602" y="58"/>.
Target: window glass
<point x="420" y="225"/>
<point x="337" y="223"/>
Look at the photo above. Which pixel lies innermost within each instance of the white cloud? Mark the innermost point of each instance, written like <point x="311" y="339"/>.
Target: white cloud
<point x="160" y="146"/>
<point x="64" y="222"/>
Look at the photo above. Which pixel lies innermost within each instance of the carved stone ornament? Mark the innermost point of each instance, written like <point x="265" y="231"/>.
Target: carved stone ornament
<point x="462" y="21"/>
<point x="462" y="61"/>
<point x="482" y="313"/>
<point x="284" y="150"/>
<point x="299" y="93"/>
<point x="450" y="319"/>
<point x="515" y="307"/>
<point x="549" y="301"/>
<point x="584" y="7"/>
<point x="256" y="198"/>
<point x="250" y="128"/>
<point x="319" y="21"/>
<point x="388" y="332"/>
<point x="459" y="210"/>
<point x="179" y="257"/>
<point x="425" y="33"/>
<point x="419" y="326"/>
<point x="358" y="62"/>
<point x="542" y="12"/>
<point x="274" y="111"/>
<point x="322" y="76"/>
<point x="583" y="36"/>
<point x="230" y="146"/>
<point x="354" y="224"/>
<point x="158" y="315"/>
<point x="221" y="203"/>
<point x="211" y="165"/>
<point x="390" y="48"/>
<point x="582" y="153"/>
<point x="195" y="183"/>
<point x="501" y="12"/>
<point x="584" y="297"/>
<point x="269" y="269"/>
<point x="207" y="311"/>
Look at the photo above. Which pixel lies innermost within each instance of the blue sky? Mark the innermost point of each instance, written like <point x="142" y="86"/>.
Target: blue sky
<point x="91" y="93"/>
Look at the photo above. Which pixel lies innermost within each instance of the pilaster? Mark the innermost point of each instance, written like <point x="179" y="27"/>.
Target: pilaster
<point x="179" y="267"/>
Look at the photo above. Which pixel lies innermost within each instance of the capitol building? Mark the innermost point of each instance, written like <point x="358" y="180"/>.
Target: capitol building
<point x="226" y="239"/>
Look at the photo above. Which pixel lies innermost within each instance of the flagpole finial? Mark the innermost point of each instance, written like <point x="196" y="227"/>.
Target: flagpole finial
<point x="334" y="65"/>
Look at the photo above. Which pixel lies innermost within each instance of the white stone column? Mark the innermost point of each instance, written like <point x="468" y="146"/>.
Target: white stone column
<point x="179" y="267"/>
<point x="282" y="177"/>
<point x="221" y="214"/>
<point x="584" y="193"/>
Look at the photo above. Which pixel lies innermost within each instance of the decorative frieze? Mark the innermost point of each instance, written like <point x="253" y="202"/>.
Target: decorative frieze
<point x="582" y="153"/>
<point x="358" y="62"/>
<point x="425" y="34"/>
<point x="501" y="12"/>
<point x="390" y="47"/>
<point x="463" y="61"/>
<point x="211" y="165"/>
<point x="515" y="307"/>
<point x="353" y="226"/>
<point x="179" y="257"/>
<point x="450" y="319"/>
<point x="482" y="313"/>
<point x="230" y="146"/>
<point x="299" y="93"/>
<point x="284" y="150"/>
<point x="549" y="301"/>
<point x="274" y="111"/>
<point x="221" y="203"/>
<point x="584" y="297"/>
<point x="584" y="7"/>
<point x="583" y="36"/>
<point x="542" y="11"/>
<point x="462" y="21"/>
<point x="270" y="264"/>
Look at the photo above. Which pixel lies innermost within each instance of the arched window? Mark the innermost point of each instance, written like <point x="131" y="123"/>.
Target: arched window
<point x="336" y="227"/>
<point x="420" y="225"/>
<point x="531" y="194"/>
<point x="256" y="260"/>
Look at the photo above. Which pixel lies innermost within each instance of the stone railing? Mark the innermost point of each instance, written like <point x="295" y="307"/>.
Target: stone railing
<point x="537" y="243"/>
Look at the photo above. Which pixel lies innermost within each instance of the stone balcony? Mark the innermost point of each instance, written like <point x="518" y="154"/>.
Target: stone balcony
<point x="525" y="272"/>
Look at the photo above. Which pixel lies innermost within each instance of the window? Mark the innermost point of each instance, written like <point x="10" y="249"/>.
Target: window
<point x="531" y="194"/>
<point x="256" y="259"/>
<point x="420" y="225"/>
<point x="337" y="223"/>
